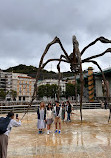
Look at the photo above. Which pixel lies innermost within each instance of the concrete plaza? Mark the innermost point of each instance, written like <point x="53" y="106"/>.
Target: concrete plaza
<point x="91" y="139"/>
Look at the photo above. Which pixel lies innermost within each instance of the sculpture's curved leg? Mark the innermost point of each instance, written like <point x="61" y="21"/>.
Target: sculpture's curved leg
<point x="56" y="40"/>
<point x="101" y="39"/>
<point x="98" y="55"/>
<point x="41" y="65"/>
<point x="75" y="89"/>
<point x="58" y="68"/>
<point x="34" y="93"/>
<point x="35" y="85"/>
<point x="58" y="96"/>
<point x="104" y="79"/>
<point x="94" y="62"/>
<point x="81" y="89"/>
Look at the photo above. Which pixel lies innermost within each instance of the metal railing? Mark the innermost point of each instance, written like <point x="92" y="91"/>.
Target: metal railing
<point x="33" y="108"/>
<point x="18" y="108"/>
<point x="12" y="103"/>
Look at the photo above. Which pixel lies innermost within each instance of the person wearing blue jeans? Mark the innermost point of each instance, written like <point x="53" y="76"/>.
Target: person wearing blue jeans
<point x="68" y="116"/>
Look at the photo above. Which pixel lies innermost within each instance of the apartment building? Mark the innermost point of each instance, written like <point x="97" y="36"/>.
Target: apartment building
<point x="21" y="83"/>
<point x="5" y="80"/>
<point x="6" y="83"/>
<point x="2" y="80"/>
<point x="53" y="81"/>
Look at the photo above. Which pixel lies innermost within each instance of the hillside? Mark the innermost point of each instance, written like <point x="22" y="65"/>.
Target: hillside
<point x="31" y="71"/>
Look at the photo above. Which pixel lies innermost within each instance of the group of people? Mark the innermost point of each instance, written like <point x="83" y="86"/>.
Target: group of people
<point x="48" y="115"/>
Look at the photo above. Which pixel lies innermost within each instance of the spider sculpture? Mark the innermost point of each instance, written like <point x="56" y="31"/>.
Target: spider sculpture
<point x="75" y="61"/>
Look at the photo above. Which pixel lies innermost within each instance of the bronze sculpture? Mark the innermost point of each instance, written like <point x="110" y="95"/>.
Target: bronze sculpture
<point x="75" y="61"/>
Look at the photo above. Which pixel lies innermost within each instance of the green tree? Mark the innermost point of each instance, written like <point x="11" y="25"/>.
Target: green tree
<point x="54" y="90"/>
<point x="70" y="89"/>
<point x="13" y="94"/>
<point x="41" y="91"/>
<point x="47" y="90"/>
<point x="3" y="94"/>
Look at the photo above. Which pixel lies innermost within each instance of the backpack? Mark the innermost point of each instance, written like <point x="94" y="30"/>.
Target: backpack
<point x="4" y="122"/>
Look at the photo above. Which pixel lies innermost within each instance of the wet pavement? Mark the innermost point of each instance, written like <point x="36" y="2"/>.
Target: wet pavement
<point x="91" y="139"/>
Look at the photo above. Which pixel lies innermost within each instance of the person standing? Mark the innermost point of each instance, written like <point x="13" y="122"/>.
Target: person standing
<point x="4" y="136"/>
<point x="68" y="109"/>
<point x="41" y="112"/>
<point x="102" y="104"/>
<point x="49" y="117"/>
<point x="63" y="111"/>
<point x="105" y="104"/>
<point x="57" y="113"/>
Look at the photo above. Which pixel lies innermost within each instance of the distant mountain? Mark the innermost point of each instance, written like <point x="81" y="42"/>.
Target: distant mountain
<point x="22" y="69"/>
<point x="31" y="71"/>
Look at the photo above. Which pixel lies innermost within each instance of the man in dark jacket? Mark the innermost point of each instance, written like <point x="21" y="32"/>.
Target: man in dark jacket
<point x="68" y="109"/>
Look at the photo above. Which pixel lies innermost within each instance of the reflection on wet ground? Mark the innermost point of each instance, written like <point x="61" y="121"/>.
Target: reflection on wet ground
<point x="91" y="139"/>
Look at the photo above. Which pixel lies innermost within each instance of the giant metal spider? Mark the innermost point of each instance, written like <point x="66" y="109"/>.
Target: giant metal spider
<point x="75" y="61"/>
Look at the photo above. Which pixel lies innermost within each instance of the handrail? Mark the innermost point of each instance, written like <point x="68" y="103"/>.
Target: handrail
<point x="33" y="108"/>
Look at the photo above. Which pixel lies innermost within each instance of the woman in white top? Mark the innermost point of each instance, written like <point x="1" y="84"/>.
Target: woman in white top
<point x="4" y="137"/>
<point x="49" y="117"/>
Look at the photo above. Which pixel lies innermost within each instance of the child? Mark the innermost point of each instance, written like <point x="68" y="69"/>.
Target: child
<point x="41" y="112"/>
<point x="49" y="117"/>
<point x="57" y="113"/>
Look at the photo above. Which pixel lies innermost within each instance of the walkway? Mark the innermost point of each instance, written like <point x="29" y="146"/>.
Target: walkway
<point x="91" y="139"/>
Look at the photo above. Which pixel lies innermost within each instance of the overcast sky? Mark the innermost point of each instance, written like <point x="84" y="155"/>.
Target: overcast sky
<point x="27" y="26"/>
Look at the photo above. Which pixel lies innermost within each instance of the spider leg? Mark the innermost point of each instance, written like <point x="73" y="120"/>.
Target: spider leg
<point x="104" y="79"/>
<point x="75" y="89"/>
<point x="49" y="60"/>
<point x="37" y="78"/>
<point x="62" y="56"/>
<point x="101" y="39"/>
<point x="58" y="68"/>
<point x="41" y="66"/>
<point x="98" y="55"/>
<point x="81" y="88"/>
<point x="94" y="62"/>
<point x="56" y="40"/>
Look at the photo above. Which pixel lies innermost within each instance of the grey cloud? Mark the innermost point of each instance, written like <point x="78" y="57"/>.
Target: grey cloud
<point x="27" y="26"/>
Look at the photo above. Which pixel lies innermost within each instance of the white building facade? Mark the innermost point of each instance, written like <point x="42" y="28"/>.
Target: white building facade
<point x="53" y="81"/>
